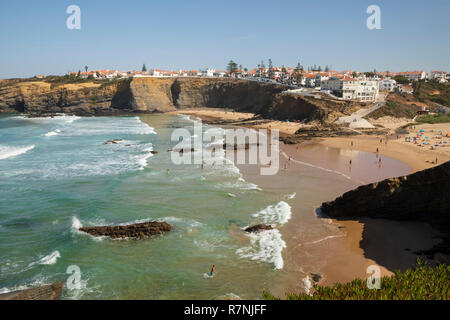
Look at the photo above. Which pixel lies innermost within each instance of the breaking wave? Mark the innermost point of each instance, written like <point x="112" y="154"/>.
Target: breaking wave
<point x="9" y="152"/>
<point x="276" y="214"/>
<point x="265" y="246"/>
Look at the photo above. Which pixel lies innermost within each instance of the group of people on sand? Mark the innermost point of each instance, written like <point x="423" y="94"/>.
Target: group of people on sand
<point x="377" y="154"/>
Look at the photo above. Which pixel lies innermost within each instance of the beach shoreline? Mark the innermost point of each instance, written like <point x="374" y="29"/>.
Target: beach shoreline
<point x="346" y="248"/>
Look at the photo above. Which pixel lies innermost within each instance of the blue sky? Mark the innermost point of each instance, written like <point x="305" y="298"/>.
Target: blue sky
<point x="117" y="34"/>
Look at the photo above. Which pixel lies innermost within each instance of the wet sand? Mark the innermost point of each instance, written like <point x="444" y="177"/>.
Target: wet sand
<point x="417" y="156"/>
<point x="338" y="251"/>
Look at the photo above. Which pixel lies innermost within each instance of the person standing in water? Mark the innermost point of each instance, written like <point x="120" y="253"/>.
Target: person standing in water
<point x="213" y="271"/>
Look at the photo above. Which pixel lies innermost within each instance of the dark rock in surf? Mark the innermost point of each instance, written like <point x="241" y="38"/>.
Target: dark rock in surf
<point x="138" y="230"/>
<point x="245" y="146"/>
<point x="113" y="141"/>
<point x="258" y="228"/>
<point x="48" y="292"/>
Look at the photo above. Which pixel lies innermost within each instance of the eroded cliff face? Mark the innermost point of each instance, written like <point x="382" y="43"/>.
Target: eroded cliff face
<point x="43" y="97"/>
<point x="422" y="196"/>
<point x="160" y="95"/>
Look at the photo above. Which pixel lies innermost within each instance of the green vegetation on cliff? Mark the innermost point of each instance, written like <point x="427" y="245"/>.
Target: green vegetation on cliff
<point x="432" y="91"/>
<point x="434" y="118"/>
<point x="422" y="283"/>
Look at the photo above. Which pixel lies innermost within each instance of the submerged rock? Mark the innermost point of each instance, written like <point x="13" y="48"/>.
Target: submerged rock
<point x="245" y="146"/>
<point x="48" y="292"/>
<point x="138" y="230"/>
<point x="182" y="150"/>
<point x="113" y="141"/>
<point x="258" y="228"/>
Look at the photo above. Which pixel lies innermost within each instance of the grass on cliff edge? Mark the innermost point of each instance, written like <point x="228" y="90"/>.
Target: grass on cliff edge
<point x="421" y="283"/>
<point x="434" y="118"/>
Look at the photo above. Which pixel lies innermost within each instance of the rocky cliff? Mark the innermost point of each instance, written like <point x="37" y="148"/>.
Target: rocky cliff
<point x="160" y="95"/>
<point x="422" y="196"/>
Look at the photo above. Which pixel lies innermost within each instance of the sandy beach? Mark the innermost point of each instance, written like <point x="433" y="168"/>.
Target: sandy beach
<point x="340" y="251"/>
<point x="417" y="155"/>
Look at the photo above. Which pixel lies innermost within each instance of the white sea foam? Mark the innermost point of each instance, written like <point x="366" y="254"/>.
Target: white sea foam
<point x="278" y="214"/>
<point x="35" y="283"/>
<point x="291" y="196"/>
<point x="53" y="133"/>
<point x="265" y="246"/>
<point x="142" y="160"/>
<point x="58" y="117"/>
<point x="182" y="221"/>
<point x="76" y="224"/>
<point x="48" y="259"/>
<point x="308" y="285"/>
<point x="9" y="152"/>
<point x="229" y="296"/>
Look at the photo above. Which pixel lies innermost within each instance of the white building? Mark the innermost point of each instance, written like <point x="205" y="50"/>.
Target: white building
<point x="388" y="84"/>
<point x="440" y="76"/>
<point x="310" y="81"/>
<point x="413" y="75"/>
<point x="155" y="73"/>
<point x="364" y="90"/>
<point x="321" y="77"/>
<point x="208" y="72"/>
<point x="220" y="73"/>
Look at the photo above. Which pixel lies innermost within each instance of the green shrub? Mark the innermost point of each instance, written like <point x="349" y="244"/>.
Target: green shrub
<point x="422" y="283"/>
<point x="434" y="118"/>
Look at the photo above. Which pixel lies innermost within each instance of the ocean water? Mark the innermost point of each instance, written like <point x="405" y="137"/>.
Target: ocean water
<point x="56" y="175"/>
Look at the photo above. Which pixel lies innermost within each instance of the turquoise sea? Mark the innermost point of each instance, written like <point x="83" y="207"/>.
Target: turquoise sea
<point x="56" y="174"/>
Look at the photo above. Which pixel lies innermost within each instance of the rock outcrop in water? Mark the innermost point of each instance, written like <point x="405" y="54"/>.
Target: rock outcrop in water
<point x="258" y="228"/>
<point x="48" y="292"/>
<point x="148" y="95"/>
<point x="138" y="230"/>
<point x="423" y="196"/>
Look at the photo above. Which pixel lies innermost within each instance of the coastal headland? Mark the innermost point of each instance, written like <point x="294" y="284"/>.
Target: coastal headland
<point x="307" y="129"/>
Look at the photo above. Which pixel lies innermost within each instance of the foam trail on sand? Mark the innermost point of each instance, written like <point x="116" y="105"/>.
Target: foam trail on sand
<point x="317" y="167"/>
<point x="9" y="152"/>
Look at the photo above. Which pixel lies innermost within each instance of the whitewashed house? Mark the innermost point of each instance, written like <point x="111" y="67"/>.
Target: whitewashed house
<point x="388" y="84"/>
<point x="208" y="72"/>
<point x="364" y="90"/>
<point x="413" y="75"/>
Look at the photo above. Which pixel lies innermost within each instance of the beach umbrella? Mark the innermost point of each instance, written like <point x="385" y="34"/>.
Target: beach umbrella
<point x="422" y="130"/>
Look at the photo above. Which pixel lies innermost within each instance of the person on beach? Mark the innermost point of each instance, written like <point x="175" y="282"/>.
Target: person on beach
<point x="213" y="271"/>
<point x="203" y="165"/>
<point x="351" y="144"/>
